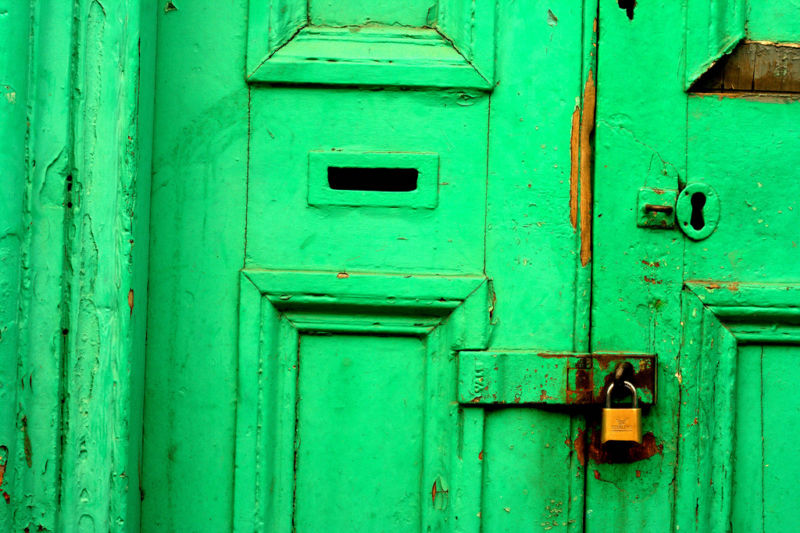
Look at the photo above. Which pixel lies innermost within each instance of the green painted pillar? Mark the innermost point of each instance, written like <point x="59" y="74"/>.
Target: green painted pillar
<point x="76" y="90"/>
<point x="15" y="28"/>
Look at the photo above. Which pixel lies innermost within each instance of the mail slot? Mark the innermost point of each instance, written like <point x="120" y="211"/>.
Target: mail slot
<point x="374" y="179"/>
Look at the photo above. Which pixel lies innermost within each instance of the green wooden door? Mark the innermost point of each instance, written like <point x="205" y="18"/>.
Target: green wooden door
<point x="721" y="312"/>
<point x="378" y="251"/>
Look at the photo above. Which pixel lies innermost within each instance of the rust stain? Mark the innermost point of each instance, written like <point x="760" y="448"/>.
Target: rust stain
<point x="480" y="455"/>
<point x="623" y="452"/>
<point x="587" y="444"/>
<point x="580" y="447"/>
<point x="433" y="493"/>
<point x="342" y="275"/>
<point x="130" y="300"/>
<point x="2" y="473"/>
<point x="644" y="377"/>
<point x="596" y="474"/>
<point x="653" y="281"/>
<point x="574" y="153"/>
<point x="648" y="263"/>
<point x="586" y="157"/>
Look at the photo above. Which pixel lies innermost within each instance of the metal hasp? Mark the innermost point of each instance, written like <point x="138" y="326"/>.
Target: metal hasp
<point x="512" y="377"/>
<point x="655" y="208"/>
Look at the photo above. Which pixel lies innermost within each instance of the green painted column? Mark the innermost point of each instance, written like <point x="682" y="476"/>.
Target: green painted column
<point x="77" y="81"/>
<point x="15" y="28"/>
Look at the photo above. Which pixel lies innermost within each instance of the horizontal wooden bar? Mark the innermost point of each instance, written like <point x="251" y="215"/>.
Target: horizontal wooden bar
<point x="548" y="378"/>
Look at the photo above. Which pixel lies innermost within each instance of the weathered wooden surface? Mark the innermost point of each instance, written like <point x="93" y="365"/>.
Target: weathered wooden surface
<point x="637" y="273"/>
<point x="512" y="225"/>
<point x="15" y="27"/>
<point x="755" y="67"/>
<point x="542" y="378"/>
<point x="303" y="353"/>
<point x="712" y="29"/>
<point x="75" y="253"/>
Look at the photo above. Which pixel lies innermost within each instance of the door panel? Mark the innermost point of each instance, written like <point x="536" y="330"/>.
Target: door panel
<point x="288" y="227"/>
<point x="737" y="411"/>
<point x="391" y="341"/>
<point x="758" y="183"/>
<point x="765" y="467"/>
<point x="345" y="438"/>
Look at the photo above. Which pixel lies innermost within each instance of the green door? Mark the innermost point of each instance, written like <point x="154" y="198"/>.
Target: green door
<point x="718" y="304"/>
<point x="392" y="247"/>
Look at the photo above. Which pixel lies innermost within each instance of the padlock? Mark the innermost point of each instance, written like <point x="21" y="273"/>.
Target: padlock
<point x="624" y="423"/>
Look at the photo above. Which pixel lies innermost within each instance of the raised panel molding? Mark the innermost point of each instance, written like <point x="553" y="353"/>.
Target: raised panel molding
<point x="456" y="48"/>
<point x="719" y="317"/>
<point x="448" y="313"/>
<point x="713" y="28"/>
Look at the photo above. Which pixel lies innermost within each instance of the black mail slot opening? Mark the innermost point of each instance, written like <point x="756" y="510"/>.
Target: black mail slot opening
<point x="373" y="179"/>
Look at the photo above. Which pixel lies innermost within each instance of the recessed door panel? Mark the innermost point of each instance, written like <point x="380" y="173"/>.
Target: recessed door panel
<point x="767" y="428"/>
<point x="359" y="443"/>
<point x="297" y="219"/>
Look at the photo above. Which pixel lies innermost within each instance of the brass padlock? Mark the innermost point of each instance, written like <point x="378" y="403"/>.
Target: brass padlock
<point x="624" y="423"/>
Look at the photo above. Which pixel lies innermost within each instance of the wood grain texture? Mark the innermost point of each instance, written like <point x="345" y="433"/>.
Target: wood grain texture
<point x="79" y="362"/>
<point x="754" y="68"/>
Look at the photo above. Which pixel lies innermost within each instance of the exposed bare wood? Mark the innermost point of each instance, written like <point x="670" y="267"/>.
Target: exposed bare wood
<point x="755" y="67"/>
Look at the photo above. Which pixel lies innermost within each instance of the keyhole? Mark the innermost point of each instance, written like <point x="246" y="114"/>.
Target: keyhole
<point x="698" y="201"/>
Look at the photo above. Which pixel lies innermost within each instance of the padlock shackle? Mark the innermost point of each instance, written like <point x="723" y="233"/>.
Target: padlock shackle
<point x="629" y="386"/>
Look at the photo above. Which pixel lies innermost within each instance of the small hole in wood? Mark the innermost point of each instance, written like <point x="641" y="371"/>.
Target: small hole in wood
<point x="628" y="6"/>
<point x="373" y="179"/>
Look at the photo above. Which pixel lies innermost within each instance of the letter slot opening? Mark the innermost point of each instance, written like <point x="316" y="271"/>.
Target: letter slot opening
<point x="373" y="179"/>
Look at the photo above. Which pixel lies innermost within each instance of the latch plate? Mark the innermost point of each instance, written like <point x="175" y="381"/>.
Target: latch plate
<point x="656" y="208"/>
<point x="549" y="378"/>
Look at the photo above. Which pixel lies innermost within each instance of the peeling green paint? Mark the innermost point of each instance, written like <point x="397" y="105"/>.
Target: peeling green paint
<point x="80" y="150"/>
<point x="278" y="304"/>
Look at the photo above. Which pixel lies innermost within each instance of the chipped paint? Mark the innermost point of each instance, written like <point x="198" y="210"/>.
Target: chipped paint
<point x="72" y="438"/>
<point x="574" y="171"/>
<point x="27" y="446"/>
<point x="586" y="162"/>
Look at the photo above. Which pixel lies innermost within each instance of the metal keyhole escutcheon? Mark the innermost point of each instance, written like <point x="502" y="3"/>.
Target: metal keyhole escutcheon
<point x="697" y="211"/>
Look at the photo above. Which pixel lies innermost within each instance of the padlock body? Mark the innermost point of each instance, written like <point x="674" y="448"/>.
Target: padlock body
<point x="621" y="424"/>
